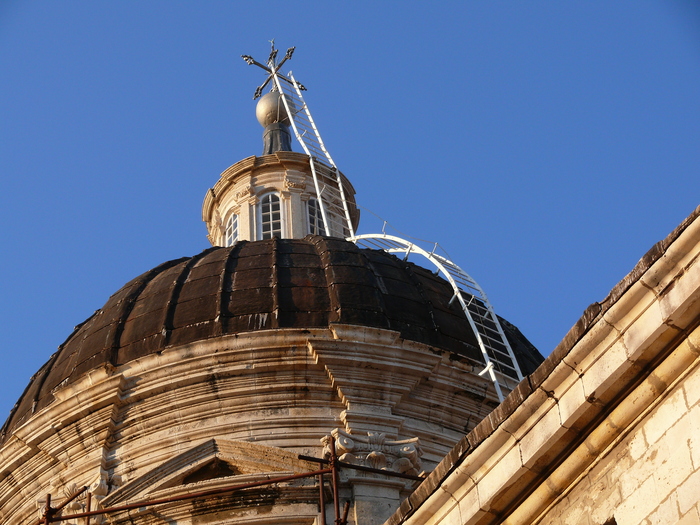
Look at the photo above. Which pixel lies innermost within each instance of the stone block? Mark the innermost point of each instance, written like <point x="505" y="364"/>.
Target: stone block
<point x="638" y="505"/>
<point x="691" y="518"/>
<point x="603" y="497"/>
<point x="637" y="445"/>
<point x="630" y="307"/>
<point x="374" y="489"/>
<point x="665" y="416"/>
<point x="573" y="404"/>
<point x="511" y="404"/>
<point x="648" y="335"/>
<point x="680" y="301"/>
<point x="499" y="476"/>
<point x="612" y="467"/>
<point x="630" y="480"/>
<point x="693" y="438"/>
<point x="604" y="373"/>
<point x="440" y="507"/>
<point x="527" y="414"/>
<point x="594" y="343"/>
<point x="688" y="493"/>
<point x="567" y="513"/>
<point x="541" y="437"/>
<point x="679" y="254"/>
<point x="469" y="504"/>
<point x="373" y="512"/>
<point x="484" y="435"/>
<point x="691" y="385"/>
<point x="560" y="380"/>
<point x="666" y="513"/>
<point x="668" y="462"/>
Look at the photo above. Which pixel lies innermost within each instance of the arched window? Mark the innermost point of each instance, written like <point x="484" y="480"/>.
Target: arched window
<point x="316" y="226"/>
<point x="231" y="235"/>
<point x="270" y="217"/>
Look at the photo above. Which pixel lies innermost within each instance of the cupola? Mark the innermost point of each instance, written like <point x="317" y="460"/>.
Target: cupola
<point x="281" y="194"/>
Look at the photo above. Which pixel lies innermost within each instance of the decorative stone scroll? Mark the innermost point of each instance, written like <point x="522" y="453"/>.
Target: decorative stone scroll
<point x="99" y="488"/>
<point x="295" y="183"/>
<point x="246" y="191"/>
<point x="375" y="451"/>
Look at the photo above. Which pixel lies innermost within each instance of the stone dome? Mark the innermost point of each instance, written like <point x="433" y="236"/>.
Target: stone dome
<point x="261" y="285"/>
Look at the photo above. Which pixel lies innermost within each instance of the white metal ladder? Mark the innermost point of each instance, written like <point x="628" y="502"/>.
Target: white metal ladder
<point x="497" y="353"/>
<point x="331" y="195"/>
<point x="496" y="350"/>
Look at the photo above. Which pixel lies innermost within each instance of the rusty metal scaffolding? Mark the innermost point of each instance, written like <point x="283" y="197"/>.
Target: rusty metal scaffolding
<point x="50" y="514"/>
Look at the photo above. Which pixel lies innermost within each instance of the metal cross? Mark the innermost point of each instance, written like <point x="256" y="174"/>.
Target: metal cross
<point x="272" y="68"/>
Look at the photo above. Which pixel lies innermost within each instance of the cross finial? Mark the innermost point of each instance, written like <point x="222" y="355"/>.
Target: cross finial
<point x="272" y="68"/>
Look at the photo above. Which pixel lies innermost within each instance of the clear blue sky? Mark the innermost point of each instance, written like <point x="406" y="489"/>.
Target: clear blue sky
<point x="546" y="145"/>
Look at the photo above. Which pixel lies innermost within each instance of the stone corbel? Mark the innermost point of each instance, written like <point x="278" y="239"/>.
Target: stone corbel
<point x="375" y="451"/>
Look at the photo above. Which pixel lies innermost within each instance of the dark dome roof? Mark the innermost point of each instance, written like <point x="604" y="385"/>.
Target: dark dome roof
<point x="276" y="283"/>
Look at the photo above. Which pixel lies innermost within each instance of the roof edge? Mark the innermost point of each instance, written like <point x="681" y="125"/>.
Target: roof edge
<point x="661" y="266"/>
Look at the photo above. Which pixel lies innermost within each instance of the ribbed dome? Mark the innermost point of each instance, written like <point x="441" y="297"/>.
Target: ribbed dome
<point x="271" y="284"/>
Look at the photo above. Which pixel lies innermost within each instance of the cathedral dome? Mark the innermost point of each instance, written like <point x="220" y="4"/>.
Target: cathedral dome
<point x="236" y="371"/>
<point x="262" y="285"/>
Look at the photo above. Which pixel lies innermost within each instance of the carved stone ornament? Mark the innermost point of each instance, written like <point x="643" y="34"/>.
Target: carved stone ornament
<point x="291" y="184"/>
<point x="375" y="451"/>
<point x="60" y="493"/>
<point x="246" y="191"/>
<point x="99" y="488"/>
<point x="217" y="222"/>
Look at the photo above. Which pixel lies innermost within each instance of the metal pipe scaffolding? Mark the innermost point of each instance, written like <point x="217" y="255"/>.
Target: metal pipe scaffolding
<point x="334" y="466"/>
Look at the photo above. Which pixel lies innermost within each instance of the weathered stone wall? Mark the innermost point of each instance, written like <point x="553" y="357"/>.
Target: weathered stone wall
<point x="605" y="431"/>
<point x="652" y="476"/>
<point x="239" y="409"/>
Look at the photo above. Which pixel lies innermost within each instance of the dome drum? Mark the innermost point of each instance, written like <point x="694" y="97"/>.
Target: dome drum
<point x="285" y="174"/>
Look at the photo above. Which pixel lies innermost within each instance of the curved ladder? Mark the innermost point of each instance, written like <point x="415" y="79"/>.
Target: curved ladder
<point x="493" y="343"/>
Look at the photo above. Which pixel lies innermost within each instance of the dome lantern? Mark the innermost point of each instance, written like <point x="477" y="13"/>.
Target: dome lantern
<point x="281" y="194"/>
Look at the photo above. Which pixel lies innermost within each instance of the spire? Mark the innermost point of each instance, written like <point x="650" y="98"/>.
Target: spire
<point x="270" y="111"/>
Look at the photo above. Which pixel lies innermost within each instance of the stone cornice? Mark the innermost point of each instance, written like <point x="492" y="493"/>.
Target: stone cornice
<point x="281" y="161"/>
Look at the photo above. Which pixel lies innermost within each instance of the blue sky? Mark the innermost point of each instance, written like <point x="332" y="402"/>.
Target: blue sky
<point x="546" y="145"/>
